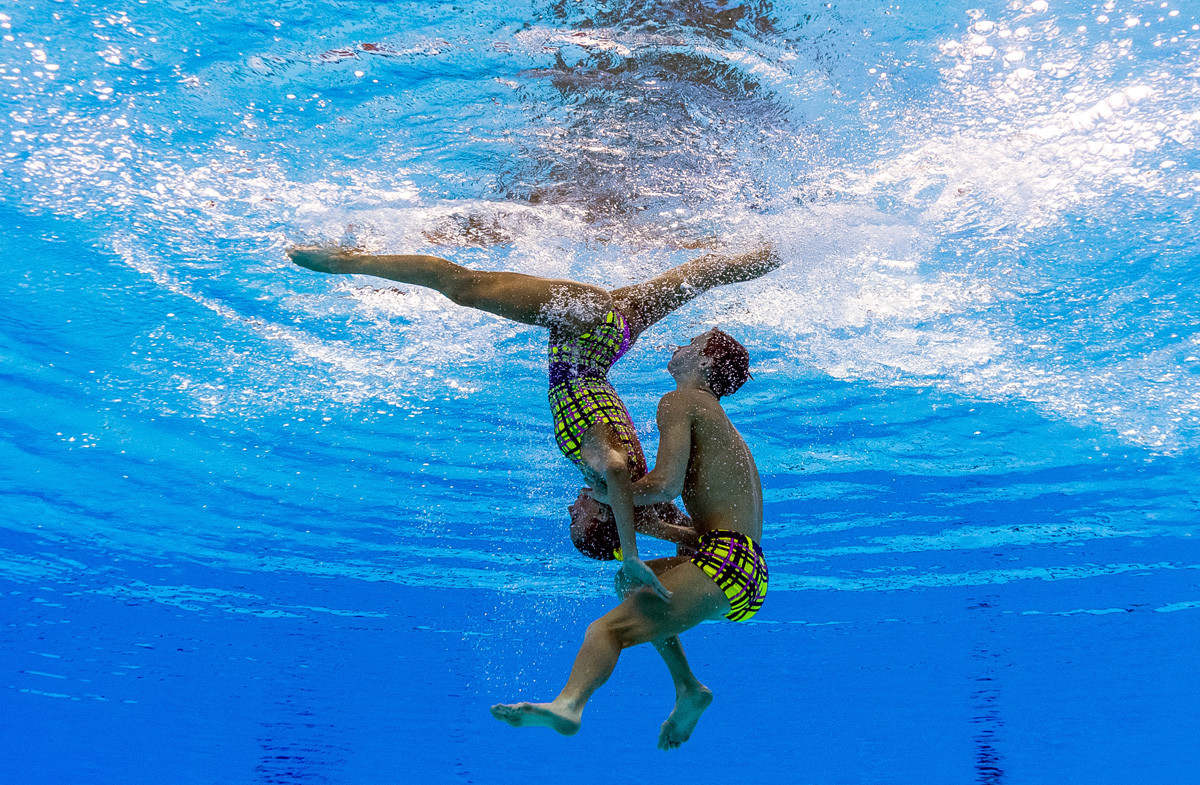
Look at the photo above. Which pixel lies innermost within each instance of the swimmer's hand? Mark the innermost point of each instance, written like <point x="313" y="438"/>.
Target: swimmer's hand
<point x="324" y="258"/>
<point x="638" y="573"/>
<point x="599" y="494"/>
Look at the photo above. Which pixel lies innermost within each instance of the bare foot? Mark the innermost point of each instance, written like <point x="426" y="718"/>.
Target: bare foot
<point x="679" y="726"/>
<point x="322" y="258"/>
<point x="760" y="261"/>
<point x="547" y="715"/>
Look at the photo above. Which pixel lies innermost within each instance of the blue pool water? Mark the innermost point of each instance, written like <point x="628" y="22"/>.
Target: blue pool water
<point x="260" y="525"/>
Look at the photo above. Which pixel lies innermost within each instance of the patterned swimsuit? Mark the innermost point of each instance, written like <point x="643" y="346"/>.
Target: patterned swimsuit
<point x="735" y="562"/>
<point x="580" y="395"/>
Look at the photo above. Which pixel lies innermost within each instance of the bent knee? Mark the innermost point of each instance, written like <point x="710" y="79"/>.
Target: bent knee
<point x="624" y="631"/>
<point x="618" y="634"/>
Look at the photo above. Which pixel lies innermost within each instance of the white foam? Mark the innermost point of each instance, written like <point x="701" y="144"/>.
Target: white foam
<point x="1024" y="140"/>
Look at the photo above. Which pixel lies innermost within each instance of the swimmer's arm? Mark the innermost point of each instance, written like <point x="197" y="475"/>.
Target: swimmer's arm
<point x="665" y="482"/>
<point x="620" y="499"/>
<point x="673" y="526"/>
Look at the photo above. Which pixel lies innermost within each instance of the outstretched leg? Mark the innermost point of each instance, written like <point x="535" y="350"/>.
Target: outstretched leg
<point x="546" y="302"/>
<point x="645" y="303"/>
<point x="641" y="618"/>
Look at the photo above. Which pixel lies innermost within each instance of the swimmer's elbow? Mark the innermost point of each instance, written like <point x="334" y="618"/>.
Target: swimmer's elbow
<point x="616" y="468"/>
<point x="672" y="490"/>
<point x="657" y="487"/>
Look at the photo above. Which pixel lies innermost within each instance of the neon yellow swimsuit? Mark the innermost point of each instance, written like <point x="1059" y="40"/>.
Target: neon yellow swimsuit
<point x="735" y="562"/>
<point x="580" y="395"/>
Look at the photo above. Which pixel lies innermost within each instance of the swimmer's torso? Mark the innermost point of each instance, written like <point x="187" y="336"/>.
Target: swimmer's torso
<point x="581" y="396"/>
<point x="722" y="489"/>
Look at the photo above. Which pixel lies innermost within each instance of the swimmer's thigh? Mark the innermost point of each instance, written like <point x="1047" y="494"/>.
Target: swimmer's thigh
<point x="646" y="303"/>
<point x="660" y="567"/>
<point x="644" y="617"/>
<point x="570" y="306"/>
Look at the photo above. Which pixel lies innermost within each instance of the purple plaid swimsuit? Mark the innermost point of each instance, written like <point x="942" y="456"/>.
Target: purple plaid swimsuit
<point x="735" y="562"/>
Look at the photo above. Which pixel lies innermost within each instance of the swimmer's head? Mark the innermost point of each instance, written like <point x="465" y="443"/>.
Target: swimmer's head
<point x="724" y="363"/>
<point x="593" y="529"/>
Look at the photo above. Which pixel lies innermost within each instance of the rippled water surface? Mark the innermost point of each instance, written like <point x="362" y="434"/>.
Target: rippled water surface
<point x="262" y="525"/>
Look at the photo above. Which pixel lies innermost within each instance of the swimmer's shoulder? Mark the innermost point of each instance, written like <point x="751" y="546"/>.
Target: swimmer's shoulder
<point x="685" y="400"/>
<point x="692" y="405"/>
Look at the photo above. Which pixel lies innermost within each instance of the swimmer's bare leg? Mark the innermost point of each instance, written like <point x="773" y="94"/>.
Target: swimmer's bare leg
<point x="642" y="617"/>
<point x="691" y="697"/>
<point x="645" y="303"/>
<point x="565" y="717"/>
<point x="528" y="299"/>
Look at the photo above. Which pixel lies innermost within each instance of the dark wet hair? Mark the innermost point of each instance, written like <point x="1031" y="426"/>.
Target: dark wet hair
<point x="597" y="538"/>
<point x="731" y="363"/>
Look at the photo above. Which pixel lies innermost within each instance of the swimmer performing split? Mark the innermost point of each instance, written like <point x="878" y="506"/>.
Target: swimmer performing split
<point x="590" y="329"/>
<point x="702" y="456"/>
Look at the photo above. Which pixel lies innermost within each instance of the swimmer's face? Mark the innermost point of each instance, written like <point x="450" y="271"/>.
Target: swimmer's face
<point x="586" y="510"/>
<point x="593" y="530"/>
<point x="690" y="356"/>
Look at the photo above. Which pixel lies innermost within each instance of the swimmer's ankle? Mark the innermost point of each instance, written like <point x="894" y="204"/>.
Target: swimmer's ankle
<point x="688" y="690"/>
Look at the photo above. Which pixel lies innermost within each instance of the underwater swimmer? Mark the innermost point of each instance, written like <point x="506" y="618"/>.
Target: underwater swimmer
<point x="590" y="329"/>
<point x="701" y="456"/>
